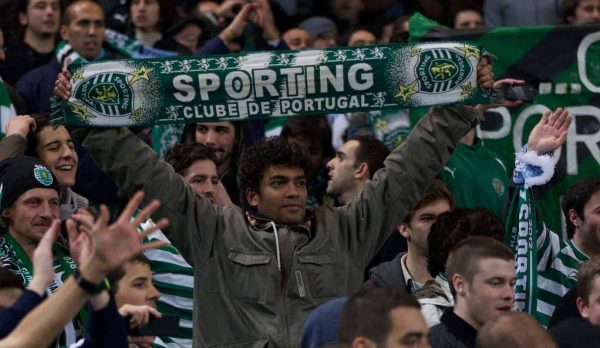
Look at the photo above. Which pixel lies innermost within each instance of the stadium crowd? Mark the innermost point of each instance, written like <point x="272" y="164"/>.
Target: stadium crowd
<point x="312" y="231"/>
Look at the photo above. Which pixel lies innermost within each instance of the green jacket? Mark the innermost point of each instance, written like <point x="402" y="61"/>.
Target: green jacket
<point x="242" y="298"/>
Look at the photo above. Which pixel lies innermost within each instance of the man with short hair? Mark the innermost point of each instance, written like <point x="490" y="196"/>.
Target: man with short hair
<point x="35" y="38"/>
<point x="408" y="270"/>
<point x="353" y="165"/>
<point x="581" y="331"/>
<point x="382" y="318"/>
<point x="82" y="27"/>
<point x="270" y="260"/>
<point x="297" y="38"/>
<point x="481" y="273"/>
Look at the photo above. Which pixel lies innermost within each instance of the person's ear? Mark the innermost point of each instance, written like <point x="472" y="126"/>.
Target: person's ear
<point x="459" y="284"/>
<point x="363" y="342"/>
<point x="362" y="172"/>
<point x="64" y="32"/>
<point x="582" y="307"/>
<point x="404" y="230"/>
<point x="574" y="218"/>
<point x="252" y="197"/>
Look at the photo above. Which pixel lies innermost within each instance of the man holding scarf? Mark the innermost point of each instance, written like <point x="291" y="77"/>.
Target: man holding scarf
<point x="82" y="28"/>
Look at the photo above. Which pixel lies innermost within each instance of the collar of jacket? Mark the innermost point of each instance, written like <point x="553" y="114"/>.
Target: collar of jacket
<point x="260" y="222"/>
<point x="459" y="328"/>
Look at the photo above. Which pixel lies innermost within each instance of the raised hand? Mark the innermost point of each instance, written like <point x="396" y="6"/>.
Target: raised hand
<point x="62" y="85"/>
<point x="550" y="132"/>
<point x="117" y="243"/>
<point x="43" y="269"/>
<point x="80" y="245"/>
<point x="485" y="76"/>
<point x="20" y="125"/>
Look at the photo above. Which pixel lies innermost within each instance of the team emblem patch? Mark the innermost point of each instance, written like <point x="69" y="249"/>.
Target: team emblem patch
<point x="441" y="70"/>
<point x="108" y="94"/>
<point x="43" y="175"/>
<point x="498" y="186"/>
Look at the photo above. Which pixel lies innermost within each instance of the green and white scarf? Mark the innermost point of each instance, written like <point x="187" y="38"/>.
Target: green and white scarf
<point x="271" y="84"/>
<point x="7" y="110"/>
<point x="14" y="258"/>
<point x="521" y="237"/>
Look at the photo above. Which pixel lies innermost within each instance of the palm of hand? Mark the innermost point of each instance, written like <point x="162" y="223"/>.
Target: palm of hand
<point x="545" y="138"/>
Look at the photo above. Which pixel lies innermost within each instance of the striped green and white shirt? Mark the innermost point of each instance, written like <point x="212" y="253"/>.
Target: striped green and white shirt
<point x="558" y="262"/>
<point x="174" y="279"/>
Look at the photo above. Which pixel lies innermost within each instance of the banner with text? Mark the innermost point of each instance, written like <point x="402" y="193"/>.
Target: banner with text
<point x="270" y="84"/>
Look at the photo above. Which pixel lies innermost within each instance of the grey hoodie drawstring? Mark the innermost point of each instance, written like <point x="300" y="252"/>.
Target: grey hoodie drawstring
<point x="277" y="246"/>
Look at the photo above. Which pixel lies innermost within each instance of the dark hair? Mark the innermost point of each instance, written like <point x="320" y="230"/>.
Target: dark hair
<point x="118" y="273"/>
<point x="568" y="10"/>
<point x="585" y="277"/>
<point x="460" y="8"/>
<point x="367" y="313"/>
<point x="434" y="192"/>
<point x="182" y="156"/>
<point x="576" y="197"/>
<point x="10" y="280"/>
<point x="314" y="129"/>
<point x="453" y="227"/>
<point x="371" y="151"/>
<point x="189" y="136"/>
<point x="465" y="257"/>
<point x="41" y="121"/>
<point x="167" y="15"/>
<point x="273" y="151"/>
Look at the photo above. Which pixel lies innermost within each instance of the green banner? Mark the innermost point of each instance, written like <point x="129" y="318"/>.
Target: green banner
<point x="270" y="84"/>
<point x="563" y="63"/>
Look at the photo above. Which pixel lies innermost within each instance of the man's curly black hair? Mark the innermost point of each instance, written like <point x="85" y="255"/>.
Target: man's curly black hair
<point x="273" y="151"/>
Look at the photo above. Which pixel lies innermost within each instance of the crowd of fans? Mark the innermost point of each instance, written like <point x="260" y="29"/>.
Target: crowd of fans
<point x="309" y="231"/>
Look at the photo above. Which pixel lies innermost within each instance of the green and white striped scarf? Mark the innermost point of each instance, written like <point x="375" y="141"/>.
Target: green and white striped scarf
<point x="271" y="84"/>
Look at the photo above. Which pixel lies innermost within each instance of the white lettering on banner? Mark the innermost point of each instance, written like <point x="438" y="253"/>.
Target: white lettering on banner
<point x="504" y="130"/>
<point x="590" y="140"/>
<point x="272" y="83"/>
<point x="581" y="61"/>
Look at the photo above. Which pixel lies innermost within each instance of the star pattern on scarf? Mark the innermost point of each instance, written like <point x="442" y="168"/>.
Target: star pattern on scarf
<point x="406" y="91"/>
<point x="382" y="125"/>
<point x="136" y="115"/>
<point x="77" y="75"/>
<point x="415" y="51"/>
<point x="140" y="74"/>
<point x="469" y="51"/>
<point x="467" y="90"/>
<point x="81" y="111"/>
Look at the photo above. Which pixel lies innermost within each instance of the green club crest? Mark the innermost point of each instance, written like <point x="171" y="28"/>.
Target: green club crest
<point x="441" y="70"/>
<point x="107" y="93"/>
<point x="43" y="175"/>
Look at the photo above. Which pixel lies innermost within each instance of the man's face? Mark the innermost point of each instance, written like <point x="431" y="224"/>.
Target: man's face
<point x="589" y="226"/>
<point x="219" y="137"/>
<point x="490" y="293"/>
<point x="325" y="40"/>
<point x="314" y="151"/>
<point x="361" y="38"/>
<point x="145" y="14"/>
<point x="32" y="214"/>
<point x="590" y="311"/>
<point x="408" y="329"/>
<point x="85" y="32"/>
<point x="346" y="10"/>
<point x="297" y="39"/>
<point x="342" y="169"/>
<point x="188" y="37"/>
<point x="468" y="19"/>
<point x="203" y="178"/>
<point x="282" y="195"/>
<point x="419" y="226"/>
<point x="136" y="288"/>
<point x="42" y="17"/>
<point x="55" y="149"/>
<point x="588" y="11"/>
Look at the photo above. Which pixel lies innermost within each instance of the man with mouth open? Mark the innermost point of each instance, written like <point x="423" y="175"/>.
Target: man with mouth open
<point x="482" y="274"/>
<point x="82" y="27"/>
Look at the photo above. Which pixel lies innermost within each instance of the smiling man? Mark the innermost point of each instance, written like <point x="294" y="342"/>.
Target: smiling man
<point x="82" y="27"/>
<point x="482" y="274"/>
